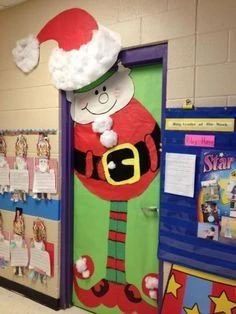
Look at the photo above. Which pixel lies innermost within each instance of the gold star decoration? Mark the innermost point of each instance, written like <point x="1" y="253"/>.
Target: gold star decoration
<point x="193" y="310"/>
<point x="173" y="286"/>
<point x="223" y="304"/>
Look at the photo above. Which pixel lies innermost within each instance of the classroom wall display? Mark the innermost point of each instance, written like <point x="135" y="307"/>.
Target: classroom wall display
<point x="29" y="253"/>
<point x="199" y="232"/>
<point x="44" y="183"/>
<point x="4" y="167"/>
<point x="19" y="175"/>
<point x="194" y="292"/>
<point x="217" y="195"/>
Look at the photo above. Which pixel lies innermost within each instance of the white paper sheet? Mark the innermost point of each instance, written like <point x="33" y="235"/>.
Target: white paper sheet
<point x="4" y="176"/>
<point x="44" y="182"/>
<point x="19" y="256"/>
<point x="5" y="250"/>
<point x="180" y="174"/>
<point x="41" y="260"/>
<point x="19" y="180"/>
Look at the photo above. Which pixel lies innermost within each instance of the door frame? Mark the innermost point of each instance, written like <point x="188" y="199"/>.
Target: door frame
<point x="145" y="55"/>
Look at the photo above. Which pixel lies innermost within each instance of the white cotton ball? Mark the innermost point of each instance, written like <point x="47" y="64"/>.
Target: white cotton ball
<point x="101" y="124"/>
<point x="86" y="274"/>
<point x="26" y="53"/>
<point x="151" y="282"/>
<point x="81" y="265"/>
<point x="109" y="138"/>
<point x="111" y="165"/>
<point x="81" y="67"/>
<point x="153" y="294"/>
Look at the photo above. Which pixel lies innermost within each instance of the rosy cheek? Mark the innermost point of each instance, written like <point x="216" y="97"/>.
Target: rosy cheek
<point x="116" y="92"/>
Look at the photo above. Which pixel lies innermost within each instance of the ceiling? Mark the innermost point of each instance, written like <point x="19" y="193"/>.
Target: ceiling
<point x="9" y="3"/>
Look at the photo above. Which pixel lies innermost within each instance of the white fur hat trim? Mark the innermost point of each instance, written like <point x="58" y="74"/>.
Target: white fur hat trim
<point x="74" y="69"/>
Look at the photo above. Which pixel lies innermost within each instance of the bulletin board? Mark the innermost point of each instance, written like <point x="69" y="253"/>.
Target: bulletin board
<point x="179" y="217"/>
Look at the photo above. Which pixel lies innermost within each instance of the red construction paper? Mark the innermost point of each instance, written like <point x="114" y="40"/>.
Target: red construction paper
<point x="133" y="124"/>
<point x="76" y="22"/>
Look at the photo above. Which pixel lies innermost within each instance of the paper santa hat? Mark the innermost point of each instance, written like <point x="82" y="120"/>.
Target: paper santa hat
<point x="86" y="50"/>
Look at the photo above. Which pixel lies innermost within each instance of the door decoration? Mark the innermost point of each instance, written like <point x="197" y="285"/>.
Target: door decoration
<point x="4" y="167"/>
<point x="116" y="169"/>
<point x="19" y="251"/>
<point x="214" y="294"/>
<point x="116" y="144"/>
<point x="19" y="176"/>
<point x="44" y="178"/>
<point x="39" y="257"/>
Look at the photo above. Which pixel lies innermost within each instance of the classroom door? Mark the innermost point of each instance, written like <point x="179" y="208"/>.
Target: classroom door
<point x="116" y="197"/>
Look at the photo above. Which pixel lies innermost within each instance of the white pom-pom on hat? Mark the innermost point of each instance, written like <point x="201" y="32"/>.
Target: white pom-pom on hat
<point x="102" y="124"/>
<point x="26" y="53"/>
<point x="109" y="138"/>
<point x="81" y="265"/>
<point x="86" y="50"/>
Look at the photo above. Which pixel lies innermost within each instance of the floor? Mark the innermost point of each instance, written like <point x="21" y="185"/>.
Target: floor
<point x="12" y="303"/>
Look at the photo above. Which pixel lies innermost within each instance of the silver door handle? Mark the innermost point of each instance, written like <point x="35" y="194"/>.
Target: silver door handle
<point x="150" y="209"/>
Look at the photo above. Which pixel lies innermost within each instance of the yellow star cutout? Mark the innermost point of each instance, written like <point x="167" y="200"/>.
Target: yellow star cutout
<point x="173" y="286"/>
<point x="223" y="304"/>
<point x="193" y="310"/>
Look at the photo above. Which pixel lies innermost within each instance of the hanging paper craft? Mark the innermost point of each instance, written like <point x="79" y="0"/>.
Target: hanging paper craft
<point x="39" y="257"/>
<point x="217" y="197"/>
<point x="4" y="246"/>
<point x="19" y="176"/>
<point x="19" y="251"/>
<point x="44" y="178"/>
<point x="4" y="167"/>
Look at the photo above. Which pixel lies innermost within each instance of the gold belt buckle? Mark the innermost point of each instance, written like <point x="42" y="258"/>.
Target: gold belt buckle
<point x="129" y="162"/>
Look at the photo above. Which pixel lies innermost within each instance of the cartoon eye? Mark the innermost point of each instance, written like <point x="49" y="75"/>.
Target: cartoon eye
<point x="96" y="92"/>
<point x="104" y="88"/>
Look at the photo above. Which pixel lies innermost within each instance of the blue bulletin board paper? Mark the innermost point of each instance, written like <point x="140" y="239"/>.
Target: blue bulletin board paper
<point x="178" y="242"/>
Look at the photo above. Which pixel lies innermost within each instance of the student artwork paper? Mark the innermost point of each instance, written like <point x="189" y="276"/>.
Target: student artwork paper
<point x="4" y="176"/>
<point x="19" y="257"/>
<point x="5" y="250"/>
<point x="180" y="174"/>
<point x="44" y="182"/>
<point x="40" y="260"/>
<point x="19" y="180"/>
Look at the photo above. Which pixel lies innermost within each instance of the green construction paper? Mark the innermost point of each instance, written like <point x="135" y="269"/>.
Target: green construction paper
<point x="119" y="226"/>
<point x="119" y="206"/>
<point x="111" y="274"/>
<point x="92" y="213"/>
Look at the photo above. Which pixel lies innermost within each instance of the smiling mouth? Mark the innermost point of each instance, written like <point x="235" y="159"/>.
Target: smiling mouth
<point x="97" y="114"/>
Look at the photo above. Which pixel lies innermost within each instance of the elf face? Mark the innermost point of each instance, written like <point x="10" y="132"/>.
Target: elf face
<point x="105" y="99"/>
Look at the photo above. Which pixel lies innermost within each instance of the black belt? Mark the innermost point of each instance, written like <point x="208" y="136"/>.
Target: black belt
<point x="144" y="157"/>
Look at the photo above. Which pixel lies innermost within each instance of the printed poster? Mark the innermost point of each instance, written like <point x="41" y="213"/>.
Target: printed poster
<point x="217" y="196"/>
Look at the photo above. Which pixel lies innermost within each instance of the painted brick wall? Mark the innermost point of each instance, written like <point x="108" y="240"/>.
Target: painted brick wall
<point x="201" y="58"/>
